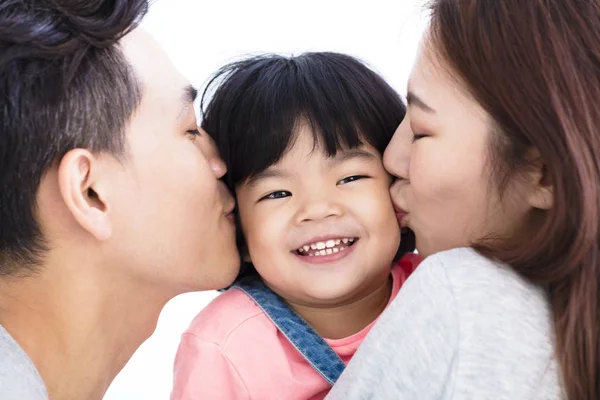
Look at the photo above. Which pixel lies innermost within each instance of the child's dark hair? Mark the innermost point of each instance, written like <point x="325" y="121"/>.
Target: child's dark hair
<point x="257" y="104"/>
<point x="266" y="97"/>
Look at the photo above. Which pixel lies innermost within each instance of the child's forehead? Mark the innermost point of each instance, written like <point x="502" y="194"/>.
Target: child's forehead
<point x="299" y="156"/>
<point x="297" y="163"/>
<point x="308" y="154"/>
<point x="309" y="145"/>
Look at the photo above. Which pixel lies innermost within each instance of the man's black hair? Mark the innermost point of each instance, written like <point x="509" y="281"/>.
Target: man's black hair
<point x="64" y="84"/>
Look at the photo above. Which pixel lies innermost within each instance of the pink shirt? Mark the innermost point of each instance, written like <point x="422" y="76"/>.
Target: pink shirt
<point x="233" y="351"/>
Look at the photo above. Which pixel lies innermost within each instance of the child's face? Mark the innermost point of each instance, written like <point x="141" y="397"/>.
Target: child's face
<point x="321" y="231"/>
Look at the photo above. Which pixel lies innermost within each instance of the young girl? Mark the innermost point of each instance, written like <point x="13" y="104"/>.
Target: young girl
<point x="303" y="139"/>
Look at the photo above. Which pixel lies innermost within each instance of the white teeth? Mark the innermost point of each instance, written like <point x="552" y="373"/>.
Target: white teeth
<point x="325" y="248"/>
<point x="323" y="252"/>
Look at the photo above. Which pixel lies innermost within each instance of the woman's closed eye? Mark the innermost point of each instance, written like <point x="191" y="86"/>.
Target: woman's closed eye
<point x="352" y="179"/>
<point x="278" y="194"/>
<point x="417" y="136"/>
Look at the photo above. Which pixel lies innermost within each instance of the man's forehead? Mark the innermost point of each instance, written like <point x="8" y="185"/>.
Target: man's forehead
<point x="153" y="68"/>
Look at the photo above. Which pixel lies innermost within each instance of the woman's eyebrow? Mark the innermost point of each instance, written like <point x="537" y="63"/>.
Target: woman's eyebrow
<point x="414" y="100"/>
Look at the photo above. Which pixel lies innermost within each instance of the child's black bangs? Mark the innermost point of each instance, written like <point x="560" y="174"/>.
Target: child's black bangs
<point x="270" y="97"/>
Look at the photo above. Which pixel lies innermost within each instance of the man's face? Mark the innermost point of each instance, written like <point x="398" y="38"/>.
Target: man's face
<point x="171" y="216"/>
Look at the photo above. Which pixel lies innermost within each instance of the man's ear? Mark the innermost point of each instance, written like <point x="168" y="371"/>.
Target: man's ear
<point x="83" y="194"/>
<point x="541" y="192"/>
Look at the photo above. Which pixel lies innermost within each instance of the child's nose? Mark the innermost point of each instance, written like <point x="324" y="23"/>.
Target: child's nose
<point x="319" y="207"/>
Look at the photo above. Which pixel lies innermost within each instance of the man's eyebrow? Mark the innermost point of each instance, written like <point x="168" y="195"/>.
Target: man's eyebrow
<point x="413" y="99"/>
<point x="266" y="174"/>
<point x="188" y="96"/>
<point x="352" y="154"/>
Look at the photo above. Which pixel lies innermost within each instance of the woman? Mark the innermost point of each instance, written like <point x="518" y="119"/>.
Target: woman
<point x="499" y="180"/>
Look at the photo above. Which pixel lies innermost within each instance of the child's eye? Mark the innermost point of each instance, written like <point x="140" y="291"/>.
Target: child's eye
<point x="279" y="194"/>
<point x="351" y="179"/>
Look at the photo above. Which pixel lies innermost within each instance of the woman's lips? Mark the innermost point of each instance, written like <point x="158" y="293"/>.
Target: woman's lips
<point x="400" y="214"/>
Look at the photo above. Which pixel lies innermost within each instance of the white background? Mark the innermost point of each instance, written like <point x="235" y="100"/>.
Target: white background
<point x="202" y="35"/>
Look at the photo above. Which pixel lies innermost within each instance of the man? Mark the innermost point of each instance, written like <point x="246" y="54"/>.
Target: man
<point x="110" y="199"/>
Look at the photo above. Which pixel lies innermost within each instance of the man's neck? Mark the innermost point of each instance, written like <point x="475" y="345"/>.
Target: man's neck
<point x="79" y="330"/>
<point x="350" y="317"/>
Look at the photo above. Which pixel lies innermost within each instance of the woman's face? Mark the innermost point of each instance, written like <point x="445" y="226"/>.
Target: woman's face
<point x="445" y="192"/>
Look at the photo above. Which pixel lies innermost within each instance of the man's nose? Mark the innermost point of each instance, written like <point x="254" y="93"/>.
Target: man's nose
<point x="217" y="165"/>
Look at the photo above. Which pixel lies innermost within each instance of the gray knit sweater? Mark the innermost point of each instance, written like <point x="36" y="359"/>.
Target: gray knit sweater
<point x="461" y="327"/>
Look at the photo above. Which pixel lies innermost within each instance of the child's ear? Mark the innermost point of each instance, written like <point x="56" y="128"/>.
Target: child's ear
<point x="243" y="248"/>
<point x="241" y="241"/>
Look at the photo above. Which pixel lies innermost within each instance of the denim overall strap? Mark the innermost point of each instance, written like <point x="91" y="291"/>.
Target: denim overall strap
<point x="297" y="331"/>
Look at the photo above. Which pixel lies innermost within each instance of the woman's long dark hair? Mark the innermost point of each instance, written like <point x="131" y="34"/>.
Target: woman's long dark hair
<point x="534" y="65"/>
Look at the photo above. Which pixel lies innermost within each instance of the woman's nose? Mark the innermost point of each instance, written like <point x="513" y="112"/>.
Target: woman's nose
<point x="396" y="158"/>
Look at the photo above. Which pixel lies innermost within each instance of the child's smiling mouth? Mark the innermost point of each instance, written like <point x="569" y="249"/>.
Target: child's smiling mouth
<point x="326" y="247"/>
